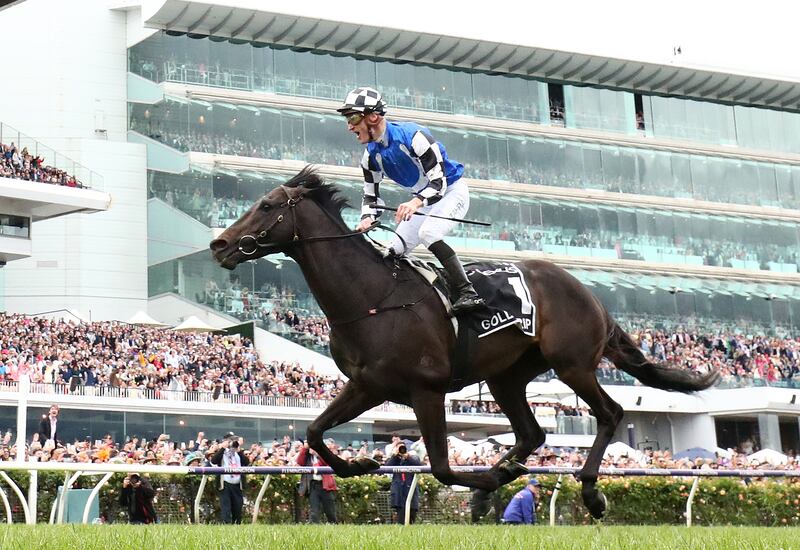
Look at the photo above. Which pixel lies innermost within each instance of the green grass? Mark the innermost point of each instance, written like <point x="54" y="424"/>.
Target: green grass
<point x="284" y="537"/>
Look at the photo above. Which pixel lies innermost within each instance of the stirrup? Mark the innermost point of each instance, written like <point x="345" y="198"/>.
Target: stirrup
<point x="467" y="303"/>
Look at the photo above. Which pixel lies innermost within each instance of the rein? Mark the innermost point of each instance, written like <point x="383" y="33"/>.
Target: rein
<point x="255" y="245"/>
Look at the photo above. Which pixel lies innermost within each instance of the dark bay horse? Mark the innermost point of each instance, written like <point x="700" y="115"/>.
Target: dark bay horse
<point x="391" y="336"/>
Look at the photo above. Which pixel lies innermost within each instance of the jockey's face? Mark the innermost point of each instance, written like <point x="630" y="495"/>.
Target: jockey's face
<point x="366" y="128"/>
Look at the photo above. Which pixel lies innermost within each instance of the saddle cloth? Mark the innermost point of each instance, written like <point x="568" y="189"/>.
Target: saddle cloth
<point x="509" y="300"/>
<point x="500" y="284"/>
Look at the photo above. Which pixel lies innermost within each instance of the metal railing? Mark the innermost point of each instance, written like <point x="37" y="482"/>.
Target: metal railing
<point x="38" y="388"/>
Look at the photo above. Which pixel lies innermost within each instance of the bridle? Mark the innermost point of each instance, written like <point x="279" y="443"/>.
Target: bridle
<point x="250" y="244"/>
<point x="255" y="244"/>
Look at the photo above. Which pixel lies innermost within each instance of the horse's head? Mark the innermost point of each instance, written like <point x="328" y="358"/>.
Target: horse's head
<point x="273" y="223"/>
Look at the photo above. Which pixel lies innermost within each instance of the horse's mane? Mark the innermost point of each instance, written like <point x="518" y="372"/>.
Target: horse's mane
<point x="326" y="195"/>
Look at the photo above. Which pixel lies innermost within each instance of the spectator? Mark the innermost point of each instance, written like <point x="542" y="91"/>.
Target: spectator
<point x="320" y="488"/>
<point x="137" y="496"/>
<point x="231" y="497"/>
<point x="48" y="427"/>
<point x="522" y="508"/>
<point x="401" y="484"/>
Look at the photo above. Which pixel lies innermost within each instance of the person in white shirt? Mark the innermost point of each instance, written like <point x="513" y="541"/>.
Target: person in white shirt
<point x="49" y="426"/>
<point x="231" y="497"/>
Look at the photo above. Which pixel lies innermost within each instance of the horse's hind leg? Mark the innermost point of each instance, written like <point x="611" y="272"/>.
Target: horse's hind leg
<point x="351" y="402"/>
<point x="429" y="409"/>
<point x="609" y="414"/>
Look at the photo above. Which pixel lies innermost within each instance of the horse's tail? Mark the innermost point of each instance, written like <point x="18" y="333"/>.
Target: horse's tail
<point x="621" y="349"/>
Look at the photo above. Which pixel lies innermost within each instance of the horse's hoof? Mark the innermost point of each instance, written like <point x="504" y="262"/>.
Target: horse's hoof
<point x="365" y="464"/>
<point x="511" y="470"/>
<point x="598" y="505"/>
<point x="480" y="504"/>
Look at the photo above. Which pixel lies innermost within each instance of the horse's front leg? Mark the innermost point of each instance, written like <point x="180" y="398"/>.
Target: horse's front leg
<point x="429" y="408"/>
<point x="350" y="403"/>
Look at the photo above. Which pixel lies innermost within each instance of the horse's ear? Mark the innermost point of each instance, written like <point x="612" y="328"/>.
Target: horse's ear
<point x="294" y="192"/>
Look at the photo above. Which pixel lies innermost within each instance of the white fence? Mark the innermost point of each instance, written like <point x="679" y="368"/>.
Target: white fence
<point x="79" y="469"/>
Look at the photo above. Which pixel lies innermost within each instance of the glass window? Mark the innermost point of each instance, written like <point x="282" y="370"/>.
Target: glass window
<point x="272" y="68"/>
<point x="230" y="65"/>
<point x="501" y="96"/>
<point x="15" y="226"/>
<point x="680" y="167"/>
<point x="266" y="132"/>
<point x="600" y="109"/>
<point x="264" y="69"/>
<point x="592" y="166"/>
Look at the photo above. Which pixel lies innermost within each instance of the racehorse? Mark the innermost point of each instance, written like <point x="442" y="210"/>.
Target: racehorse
<point x="391" y="335"/>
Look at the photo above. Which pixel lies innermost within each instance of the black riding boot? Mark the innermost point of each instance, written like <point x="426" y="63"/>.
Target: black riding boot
<point x="467" y="299"/>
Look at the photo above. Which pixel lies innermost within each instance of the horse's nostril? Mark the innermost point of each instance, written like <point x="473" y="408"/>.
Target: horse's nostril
<point x="218" y="244"/>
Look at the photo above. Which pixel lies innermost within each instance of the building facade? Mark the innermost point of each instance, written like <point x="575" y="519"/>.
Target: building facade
<point x="680" y="209"/>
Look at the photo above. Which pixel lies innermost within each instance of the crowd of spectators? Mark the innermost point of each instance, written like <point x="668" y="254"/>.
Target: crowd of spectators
<point x="480" y="406"/>
<point x="279" y="310"/>
<point x="164" y="450"/>
<point x="153" y="361"/>
<point x="19" y="164"/>
<point x="118" y="355"/>
<point x="741" y="359"/>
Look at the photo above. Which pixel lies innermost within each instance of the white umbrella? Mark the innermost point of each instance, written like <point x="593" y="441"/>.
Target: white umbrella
<point x="142" y="318"/>
<point x="193" y="324"/>
<point x="464" y="447"/>
<point x="768" y="455"/>
<point x="724" y="453"/>
<point x="618" y="449"/>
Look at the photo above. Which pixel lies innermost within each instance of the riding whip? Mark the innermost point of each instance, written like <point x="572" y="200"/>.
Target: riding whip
<point x="473" y="222"/>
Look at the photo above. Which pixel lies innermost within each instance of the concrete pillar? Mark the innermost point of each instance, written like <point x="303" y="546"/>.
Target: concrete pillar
<point x="692" y="430"/>
<point x="770" y="430"/>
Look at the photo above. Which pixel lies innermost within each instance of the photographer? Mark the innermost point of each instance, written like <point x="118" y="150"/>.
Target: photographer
<point x="137" y="496"/>
<point x="231" y="497"/>
<point x="401" y="483"/>
<point x="320" y="488"/>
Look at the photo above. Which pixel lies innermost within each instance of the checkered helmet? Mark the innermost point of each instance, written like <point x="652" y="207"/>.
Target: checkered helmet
<point x="363" y="100"/>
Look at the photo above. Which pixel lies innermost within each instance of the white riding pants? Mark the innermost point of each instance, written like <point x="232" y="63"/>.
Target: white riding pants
<point x="427" y="230"/>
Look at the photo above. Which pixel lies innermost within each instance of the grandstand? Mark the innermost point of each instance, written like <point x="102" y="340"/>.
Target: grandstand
<point x="673" y="193"/>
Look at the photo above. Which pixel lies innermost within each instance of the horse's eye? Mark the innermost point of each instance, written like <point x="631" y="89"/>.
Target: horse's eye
<point x="265" y="205"/>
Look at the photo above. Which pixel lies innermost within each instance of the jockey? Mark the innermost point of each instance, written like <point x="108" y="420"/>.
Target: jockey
<point x="407" y="153"/>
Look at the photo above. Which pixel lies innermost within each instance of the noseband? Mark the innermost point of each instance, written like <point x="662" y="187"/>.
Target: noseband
<point x="255" y="241"/>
